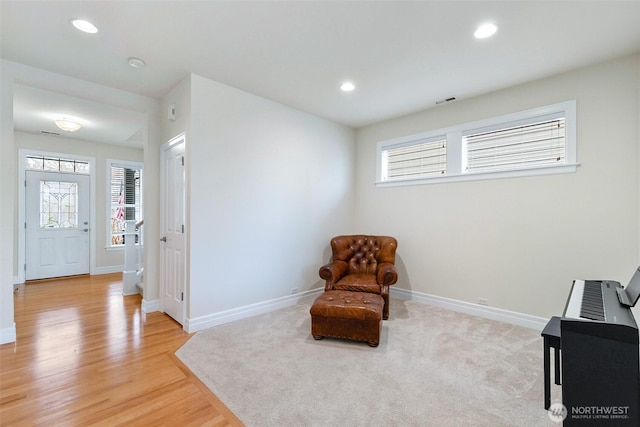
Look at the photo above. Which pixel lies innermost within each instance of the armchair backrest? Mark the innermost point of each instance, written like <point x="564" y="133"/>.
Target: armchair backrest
<point x="364" y="253"/>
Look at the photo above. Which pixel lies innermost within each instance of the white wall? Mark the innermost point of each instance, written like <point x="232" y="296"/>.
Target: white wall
<point x="269" y="185"/>
<point x="7" y="193"/>
<point x="105" y="260"/>
<point x="180" y="97"/>
<point x="518" y="242"/>
<point x="151" y="252"/>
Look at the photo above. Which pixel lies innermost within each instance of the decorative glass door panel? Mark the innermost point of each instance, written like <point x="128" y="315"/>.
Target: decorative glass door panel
<point x="58" y="204"/>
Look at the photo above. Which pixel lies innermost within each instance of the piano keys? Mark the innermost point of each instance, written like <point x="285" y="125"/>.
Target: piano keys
<point x="586" y="300"/>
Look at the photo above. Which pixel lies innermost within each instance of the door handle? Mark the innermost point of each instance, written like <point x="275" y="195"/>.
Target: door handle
<point x="85" y="230"/>
<point x="164" y="239"/>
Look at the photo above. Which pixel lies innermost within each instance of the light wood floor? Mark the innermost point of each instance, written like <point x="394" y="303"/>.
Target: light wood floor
<point x="86" y="355"/>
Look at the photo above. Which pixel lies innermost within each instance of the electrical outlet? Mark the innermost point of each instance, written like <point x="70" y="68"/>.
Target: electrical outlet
<point x="483" y="301"/>
<point x="294" y="291"/>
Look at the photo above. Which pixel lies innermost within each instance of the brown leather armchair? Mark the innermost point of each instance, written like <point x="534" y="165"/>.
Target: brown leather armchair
<point x="362" y="264"/>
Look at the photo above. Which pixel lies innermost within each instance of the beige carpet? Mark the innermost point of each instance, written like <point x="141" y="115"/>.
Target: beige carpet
<point x="433" y="367"/>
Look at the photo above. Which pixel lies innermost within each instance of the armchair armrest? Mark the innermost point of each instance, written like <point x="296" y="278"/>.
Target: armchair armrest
<point x="387" y="274"/>
<point x="333" y="272"/>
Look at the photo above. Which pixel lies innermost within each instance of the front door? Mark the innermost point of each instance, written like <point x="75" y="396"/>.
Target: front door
<point x="57" y="224"/>
<point x="172" y="246"/>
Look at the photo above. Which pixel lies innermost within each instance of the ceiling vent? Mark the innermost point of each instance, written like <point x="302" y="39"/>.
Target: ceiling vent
<point x="46" y="132"/>
<point x="442" y="101"/>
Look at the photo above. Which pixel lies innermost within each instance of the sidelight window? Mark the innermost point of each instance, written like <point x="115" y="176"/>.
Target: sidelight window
<point x="125" y="198"/>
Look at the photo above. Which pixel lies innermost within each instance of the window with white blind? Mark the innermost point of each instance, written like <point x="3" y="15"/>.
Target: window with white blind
<point x="415" y="160"/>
<point x="124" y="190"/>
<point x="541" y="143"/>
<point x="533" y="142"/>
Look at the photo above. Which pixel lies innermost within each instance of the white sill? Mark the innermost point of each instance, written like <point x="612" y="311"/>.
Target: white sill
<point x="479" y="176"/>
<point x="117" y="248"/>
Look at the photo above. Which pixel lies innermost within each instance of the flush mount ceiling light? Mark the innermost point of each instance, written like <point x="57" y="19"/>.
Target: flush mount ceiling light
<point x="347" y="87"/>
<point x="85" y="26"/>
<point x="136" y="62"/>
<point x="67" y="125"/>
<point x="485" y="30"/>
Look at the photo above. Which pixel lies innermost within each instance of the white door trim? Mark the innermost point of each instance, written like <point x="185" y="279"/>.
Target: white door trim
<point x="22" y="155"/>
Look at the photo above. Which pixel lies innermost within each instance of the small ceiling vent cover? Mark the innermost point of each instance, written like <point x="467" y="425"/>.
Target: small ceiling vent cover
<point x="442" y="101"/>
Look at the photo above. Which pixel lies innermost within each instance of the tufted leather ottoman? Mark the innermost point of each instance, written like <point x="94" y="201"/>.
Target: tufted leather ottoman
<point x="350" y="315"/>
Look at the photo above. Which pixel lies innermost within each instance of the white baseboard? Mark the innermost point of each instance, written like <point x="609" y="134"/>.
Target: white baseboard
<point x="215" y="319"/>
<point x="511" y="317"/>
<point x="8" y="335"/>
<point x="109" y="269"/>
<point x="18" y="280"/>
<point x="149" y="306"/>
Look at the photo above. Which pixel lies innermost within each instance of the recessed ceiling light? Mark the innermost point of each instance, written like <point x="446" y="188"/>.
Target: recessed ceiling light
<point x="485" y="30"/>
<point x="136" y="62"/>
<point x="347" y="87"/>
<point x="85" y="26"/>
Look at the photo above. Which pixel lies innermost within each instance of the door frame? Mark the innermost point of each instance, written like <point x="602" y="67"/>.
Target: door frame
<point x="181" y="138"/>
<point x="22" y="246"/>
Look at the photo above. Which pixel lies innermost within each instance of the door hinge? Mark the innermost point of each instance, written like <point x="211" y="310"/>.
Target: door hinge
<point x="181" y="296"/>
<point x="25" y="267"/>
<point x="25" y="224"/>
<point x="182" y="160"/>
<point x="182" y="228"/>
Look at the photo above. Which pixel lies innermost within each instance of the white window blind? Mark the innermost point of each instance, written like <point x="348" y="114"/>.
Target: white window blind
<point x="525" y="146"/>
<point x="415" y="160"/>
<point x="124" y="200"/>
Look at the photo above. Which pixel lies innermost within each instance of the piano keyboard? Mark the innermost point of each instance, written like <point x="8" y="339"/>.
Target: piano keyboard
<point x="586" y="301"/>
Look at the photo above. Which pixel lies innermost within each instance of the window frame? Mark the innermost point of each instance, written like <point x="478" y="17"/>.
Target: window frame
<point x="455" y="150"/>
<point x="127" y="164"/>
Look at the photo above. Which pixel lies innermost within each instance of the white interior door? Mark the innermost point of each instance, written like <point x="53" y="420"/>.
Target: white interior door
<point x="172" y="246"/>
<point x="57" y="210"/>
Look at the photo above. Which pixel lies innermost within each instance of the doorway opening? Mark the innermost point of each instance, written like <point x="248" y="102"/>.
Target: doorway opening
<point x="56" y="205"/>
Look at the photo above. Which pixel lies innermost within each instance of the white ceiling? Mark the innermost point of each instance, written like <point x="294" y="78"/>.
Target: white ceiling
<point x="402" y="56"/>
<point x="36" y="109"/>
